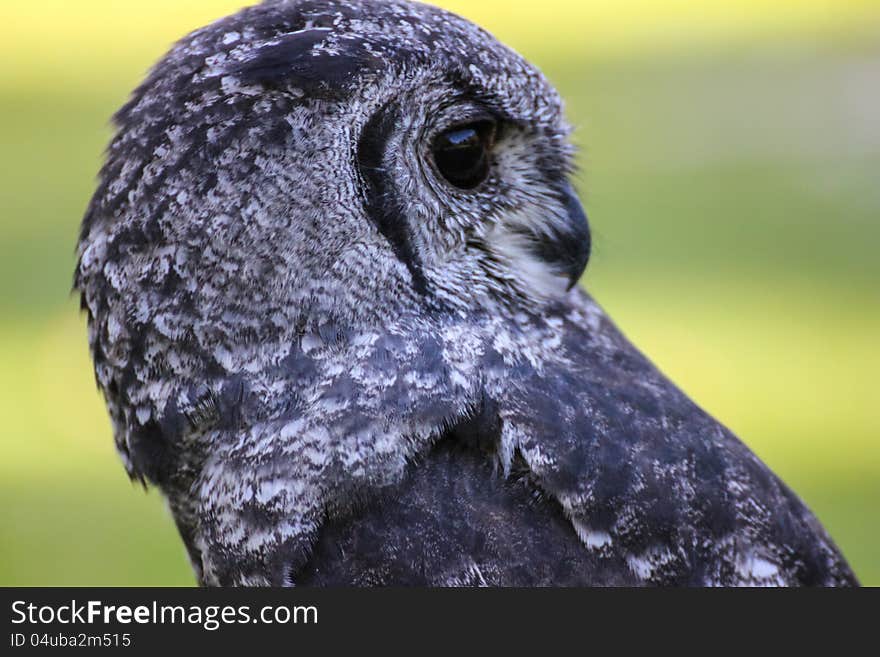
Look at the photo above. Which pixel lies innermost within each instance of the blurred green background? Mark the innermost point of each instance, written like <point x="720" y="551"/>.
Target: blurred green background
<point x="730" y="164"/>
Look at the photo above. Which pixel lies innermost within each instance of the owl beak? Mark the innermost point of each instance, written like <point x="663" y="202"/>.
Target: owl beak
<point x="571" y="249"/>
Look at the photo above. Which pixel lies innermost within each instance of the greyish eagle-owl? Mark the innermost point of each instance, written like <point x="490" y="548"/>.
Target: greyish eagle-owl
<point x="329" y="273"/>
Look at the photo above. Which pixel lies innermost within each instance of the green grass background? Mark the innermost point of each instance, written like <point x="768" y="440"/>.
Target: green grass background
<point x="730" y="164"/>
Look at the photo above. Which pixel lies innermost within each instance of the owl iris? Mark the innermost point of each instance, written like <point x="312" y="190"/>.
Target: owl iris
<point x="462" y="154"/>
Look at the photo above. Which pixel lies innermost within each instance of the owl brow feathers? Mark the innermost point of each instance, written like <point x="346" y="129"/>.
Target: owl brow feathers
<point x="298" y="60"/>
<point x="318" y="62"/>
<point x="323" y="64"/>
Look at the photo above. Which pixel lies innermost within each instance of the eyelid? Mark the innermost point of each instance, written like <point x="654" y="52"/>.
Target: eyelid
<point x="459" y="114"/>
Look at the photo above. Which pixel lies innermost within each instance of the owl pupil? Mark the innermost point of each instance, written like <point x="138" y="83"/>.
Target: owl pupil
<point x="462" y="153"/>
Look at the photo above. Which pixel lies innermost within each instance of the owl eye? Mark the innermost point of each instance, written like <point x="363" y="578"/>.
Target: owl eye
<point x="462" y="153"/>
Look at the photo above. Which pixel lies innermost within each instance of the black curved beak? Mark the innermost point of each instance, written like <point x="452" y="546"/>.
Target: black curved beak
<point x="577" y="254"/>
<point x="567" y="244"/>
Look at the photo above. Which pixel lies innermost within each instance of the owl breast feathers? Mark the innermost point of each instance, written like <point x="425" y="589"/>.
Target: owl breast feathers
<point x="329" y="277"/>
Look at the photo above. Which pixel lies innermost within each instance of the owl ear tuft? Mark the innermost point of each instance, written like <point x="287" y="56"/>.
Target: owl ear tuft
<point x="298" y="60"/>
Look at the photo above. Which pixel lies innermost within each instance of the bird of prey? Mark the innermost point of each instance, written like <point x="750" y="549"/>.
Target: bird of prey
<point x="329" y="274"/>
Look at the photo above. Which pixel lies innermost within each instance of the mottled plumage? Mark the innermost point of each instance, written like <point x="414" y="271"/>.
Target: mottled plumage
<point x="342" y="369"/>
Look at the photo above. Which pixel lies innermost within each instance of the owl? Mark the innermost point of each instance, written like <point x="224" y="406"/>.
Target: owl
<point x="329" y="274"/>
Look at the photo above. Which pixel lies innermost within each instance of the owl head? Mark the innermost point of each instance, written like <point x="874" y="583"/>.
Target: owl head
<point x="362" y="155"/>
<point x="308" y="164"/>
